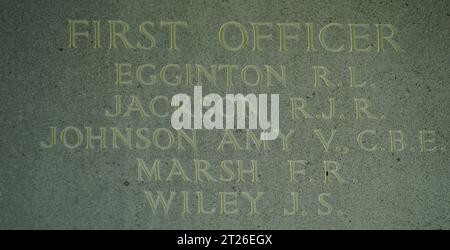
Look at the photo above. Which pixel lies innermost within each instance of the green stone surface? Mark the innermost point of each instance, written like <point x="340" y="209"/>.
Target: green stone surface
<point x="44" y="84"/>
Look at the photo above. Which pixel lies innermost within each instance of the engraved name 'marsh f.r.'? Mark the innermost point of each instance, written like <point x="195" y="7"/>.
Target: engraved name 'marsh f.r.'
<point x="215" y="117"/>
